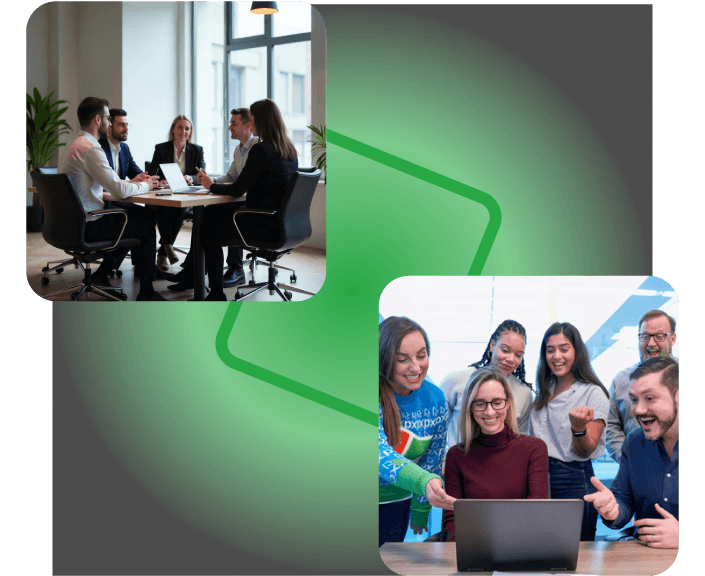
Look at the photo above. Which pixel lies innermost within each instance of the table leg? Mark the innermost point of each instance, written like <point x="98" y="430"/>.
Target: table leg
<point x="199" y="263"/>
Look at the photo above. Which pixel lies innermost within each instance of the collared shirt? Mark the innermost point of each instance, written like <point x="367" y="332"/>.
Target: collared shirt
<point x="239" y="158"/>
<point x="86" y="165"/>
<point x="180" y="160"/>
<point x="115" y="151"/>
<point x="552" y="423"/>
<point x="646" y="476"/>
<point x="620" y="421"/>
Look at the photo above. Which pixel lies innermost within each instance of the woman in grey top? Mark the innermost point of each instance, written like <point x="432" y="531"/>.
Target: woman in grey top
<point x="569" y="415"/>
<point x="505" y="351"/>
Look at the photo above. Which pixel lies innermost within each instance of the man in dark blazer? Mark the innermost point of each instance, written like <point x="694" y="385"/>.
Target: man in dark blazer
<point x="115" y="147"/>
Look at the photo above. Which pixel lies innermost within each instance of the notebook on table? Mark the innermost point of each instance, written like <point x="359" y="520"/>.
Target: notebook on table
<point x="517" y="535"/>
<point x="177" y="182"/>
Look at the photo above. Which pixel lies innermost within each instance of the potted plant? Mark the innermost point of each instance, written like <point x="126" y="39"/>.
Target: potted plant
<point x="44" y="126"/>
<point x="318" y="150"/>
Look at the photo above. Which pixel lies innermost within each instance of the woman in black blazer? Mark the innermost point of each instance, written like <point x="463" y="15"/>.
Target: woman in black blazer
<point x="270" y="166"/>
<point x="180" y="149"/>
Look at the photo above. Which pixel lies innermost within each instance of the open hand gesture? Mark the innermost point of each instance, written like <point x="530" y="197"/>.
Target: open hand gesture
<point x="659" y="532"/>
<point x="603" y="500"/>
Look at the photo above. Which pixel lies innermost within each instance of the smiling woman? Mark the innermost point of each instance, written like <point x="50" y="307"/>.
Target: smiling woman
<point x="412" y="432"/>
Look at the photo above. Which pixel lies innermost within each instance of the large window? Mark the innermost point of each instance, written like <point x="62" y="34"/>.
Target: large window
<point x="271" y="58"/>
<point x="239" y="58"/>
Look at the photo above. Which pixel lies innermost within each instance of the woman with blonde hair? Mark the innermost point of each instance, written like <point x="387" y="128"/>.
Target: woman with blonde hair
<point x="492" y="460"/>
<point x="179" y="149"/>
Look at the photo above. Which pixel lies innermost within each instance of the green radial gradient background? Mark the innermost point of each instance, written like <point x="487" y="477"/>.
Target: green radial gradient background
<point x="169" y="461"/>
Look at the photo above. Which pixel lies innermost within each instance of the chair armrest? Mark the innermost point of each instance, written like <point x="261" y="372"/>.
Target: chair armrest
<point x="249" y="211"/>
<point x="112" y="211"/>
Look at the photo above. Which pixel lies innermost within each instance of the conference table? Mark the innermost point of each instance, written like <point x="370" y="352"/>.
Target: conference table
<point x="604" y="558"/>
<point x="185" y="200"/>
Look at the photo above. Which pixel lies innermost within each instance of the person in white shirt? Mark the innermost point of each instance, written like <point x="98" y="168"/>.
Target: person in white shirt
<point x="87" y="166"/>
<point x="241" y="130"/>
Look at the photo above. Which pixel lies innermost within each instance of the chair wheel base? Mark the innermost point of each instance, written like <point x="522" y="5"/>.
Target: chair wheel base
<point x="45" y="281"/>
<point x="288" y="295"/>
<point x="293" y="278"/>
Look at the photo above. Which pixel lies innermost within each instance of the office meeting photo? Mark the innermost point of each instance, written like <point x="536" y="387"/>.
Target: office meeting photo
<point x="207" y="183"/>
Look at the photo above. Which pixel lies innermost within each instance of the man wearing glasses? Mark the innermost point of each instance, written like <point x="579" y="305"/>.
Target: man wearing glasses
<point x="657" y="335"/>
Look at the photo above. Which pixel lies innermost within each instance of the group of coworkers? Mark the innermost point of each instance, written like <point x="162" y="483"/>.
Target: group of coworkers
<point x="99" y="160"/>
<point x="482" y="434"/>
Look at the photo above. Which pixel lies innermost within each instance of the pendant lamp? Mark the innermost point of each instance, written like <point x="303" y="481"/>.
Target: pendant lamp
<point x="264" y="8"/>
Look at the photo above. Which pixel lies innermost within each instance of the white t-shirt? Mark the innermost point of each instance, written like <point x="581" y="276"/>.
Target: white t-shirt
<point x="552" y="423"/>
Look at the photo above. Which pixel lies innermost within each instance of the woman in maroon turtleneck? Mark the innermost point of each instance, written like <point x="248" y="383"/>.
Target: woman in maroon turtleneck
<point x="492" y="459"/>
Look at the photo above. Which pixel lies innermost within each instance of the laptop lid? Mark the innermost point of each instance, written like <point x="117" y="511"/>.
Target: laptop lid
<point x="176" y="179"/>
<point x="538" y="535"/>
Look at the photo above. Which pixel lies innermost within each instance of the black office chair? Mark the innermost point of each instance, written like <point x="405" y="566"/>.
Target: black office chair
<point x="64" y="228"/>
<point x="291" y="228"/>
<point x="59" y="264"/>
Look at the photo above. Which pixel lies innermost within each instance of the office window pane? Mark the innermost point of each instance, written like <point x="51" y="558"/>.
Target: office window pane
<point x="245" y="23"/>
<point x="295" y="60"/>
<point x="208" y="82"/>
<point x="247" y="79"/>
<point x="292" y="18"/>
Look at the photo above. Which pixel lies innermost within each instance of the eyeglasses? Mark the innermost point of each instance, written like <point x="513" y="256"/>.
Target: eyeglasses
<point x="645" y="336"/>
<point x="481" y="405"/>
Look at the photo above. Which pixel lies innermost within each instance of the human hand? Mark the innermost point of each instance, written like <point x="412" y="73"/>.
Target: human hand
<point x="603" y="500"/>
<point x="151" y="183"/>
<point x="659" y="532"/>
<point x="580" y="417"/>
<point x="437" y="495"/>
<point x="198" y="176"/>
<point x="140" y="177"/>
<point x="188" y="179"/>
<point x="162" y="183"/>
<point x="419" y="529"/>
<point x="206" y="181"/>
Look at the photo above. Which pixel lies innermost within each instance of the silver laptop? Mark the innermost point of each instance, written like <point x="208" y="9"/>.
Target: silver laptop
<point x="511" y="535"/>
<point x="176" y="180"/>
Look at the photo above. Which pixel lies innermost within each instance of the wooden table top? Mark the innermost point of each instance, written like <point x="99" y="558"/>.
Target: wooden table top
<point x="174" y="200"/>
<point x="605" y="558"/>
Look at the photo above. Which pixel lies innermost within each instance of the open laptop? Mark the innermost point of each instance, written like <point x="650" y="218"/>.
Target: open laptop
<point x="177" y="182"/>
<point x="512" y="535"/>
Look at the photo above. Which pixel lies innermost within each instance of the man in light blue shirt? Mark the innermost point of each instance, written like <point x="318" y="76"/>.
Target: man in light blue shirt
<point x="647" y="481"/>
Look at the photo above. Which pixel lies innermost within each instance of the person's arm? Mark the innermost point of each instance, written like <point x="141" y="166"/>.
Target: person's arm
<point x="431" y="460"/>
<point x="615" y="427"/>
<point x="255" y="166"/>
<point x="97" y="167"/>
<point x="581" y="420"/>
<point x="199" y="162"/>
<point x="537" y="481"/>
<point x="616" y="506"/>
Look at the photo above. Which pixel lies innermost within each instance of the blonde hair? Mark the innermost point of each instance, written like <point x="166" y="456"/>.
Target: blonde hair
<point x="171" y="130"/>
<point x="468" y="428"/>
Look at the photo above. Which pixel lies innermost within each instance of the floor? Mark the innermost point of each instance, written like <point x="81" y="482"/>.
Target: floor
<point x="309" y="264"/>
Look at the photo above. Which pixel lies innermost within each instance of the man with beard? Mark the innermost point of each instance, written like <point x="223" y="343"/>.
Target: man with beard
<point x="116" y="151"/>
<point x="86" y="165"/>
<point x="657" y="335"/>
<point x="647" y="481"/>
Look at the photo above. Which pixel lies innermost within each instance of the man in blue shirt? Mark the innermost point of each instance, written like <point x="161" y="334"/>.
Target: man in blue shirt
<point x="647" y="481"/>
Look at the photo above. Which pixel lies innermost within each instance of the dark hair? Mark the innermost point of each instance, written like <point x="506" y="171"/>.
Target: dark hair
<point x="655" y="314"/>
<point x="270" y="127"/>
<point x="115" y="112"/>
<point x="244" y="114"/>
<point x="506" y="326"/>
<point x="391" y="332"/>
<point x="666" y="365"/>
<point x="582" y="369"/>
<point x="89" y="108"/>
